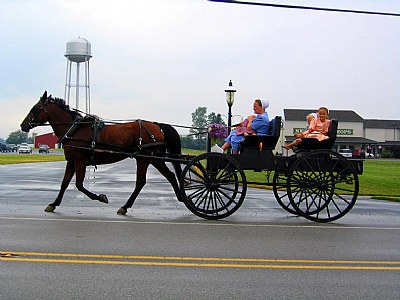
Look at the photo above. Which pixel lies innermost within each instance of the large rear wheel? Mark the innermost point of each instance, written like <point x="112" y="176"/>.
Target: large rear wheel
<point x="322" y="185"/>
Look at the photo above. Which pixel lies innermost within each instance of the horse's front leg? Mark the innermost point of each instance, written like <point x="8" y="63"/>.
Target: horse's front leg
<point x="141" y="172"/>
<point x="80" y="177"/>
<point x="69" y="173"/>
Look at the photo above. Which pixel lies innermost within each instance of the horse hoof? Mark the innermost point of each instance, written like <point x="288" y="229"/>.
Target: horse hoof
<point x="122" y="211"/>
<point x="49" y="209"/>
<point x="103" y="198"/>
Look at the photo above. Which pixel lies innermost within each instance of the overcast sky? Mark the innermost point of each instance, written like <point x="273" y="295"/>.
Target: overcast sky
<point x="161" y="59"/>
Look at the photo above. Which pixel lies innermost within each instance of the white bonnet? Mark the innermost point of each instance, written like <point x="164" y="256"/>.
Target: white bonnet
<point x="264" y="104"/>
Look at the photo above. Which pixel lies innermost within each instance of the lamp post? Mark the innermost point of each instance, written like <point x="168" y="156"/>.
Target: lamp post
<point x="230" y="98"/>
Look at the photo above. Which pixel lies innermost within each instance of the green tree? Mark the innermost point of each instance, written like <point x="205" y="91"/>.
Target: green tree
<point x="187" y="141"/>
<point x="17" y="137"/>
<point x="199" y="122"/>
<point x="215" y="118"/>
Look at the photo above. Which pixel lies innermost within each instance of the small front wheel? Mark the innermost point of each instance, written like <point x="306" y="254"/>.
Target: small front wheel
<point x="213" y="186"/>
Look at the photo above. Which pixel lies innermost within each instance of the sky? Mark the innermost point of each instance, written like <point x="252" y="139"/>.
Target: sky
<point x="159" y="60"/>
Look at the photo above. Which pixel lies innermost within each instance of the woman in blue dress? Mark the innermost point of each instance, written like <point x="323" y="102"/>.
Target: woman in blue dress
<point x="257" y="124"/>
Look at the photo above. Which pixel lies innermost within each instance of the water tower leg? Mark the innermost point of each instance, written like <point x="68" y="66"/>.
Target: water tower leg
<point x="77" y="86"/>
<point x="68" y="81"/>
<point x="87" y="87"/>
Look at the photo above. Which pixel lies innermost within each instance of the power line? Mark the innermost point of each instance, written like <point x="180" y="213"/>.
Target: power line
<point x="309" y="8"/>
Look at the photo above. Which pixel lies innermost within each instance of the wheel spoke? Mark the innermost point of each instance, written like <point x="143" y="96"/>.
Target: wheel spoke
<point x="197" y="193"/>
<point x="221" y="202"/>
<point x="199" y="198"/>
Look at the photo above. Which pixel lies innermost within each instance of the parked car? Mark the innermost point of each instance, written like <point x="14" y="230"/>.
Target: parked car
<point x="346" y="153"/>
<point x="13" y="147"/>
<point x="4" y="147"/>
<point x="44" y="148"/>
<point x="24" y="148"/>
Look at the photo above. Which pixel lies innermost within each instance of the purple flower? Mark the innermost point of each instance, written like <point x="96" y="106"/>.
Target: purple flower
<point x="218" y="130"/>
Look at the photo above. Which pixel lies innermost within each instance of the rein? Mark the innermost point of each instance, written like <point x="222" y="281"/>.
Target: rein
<point x="96" y="124"/>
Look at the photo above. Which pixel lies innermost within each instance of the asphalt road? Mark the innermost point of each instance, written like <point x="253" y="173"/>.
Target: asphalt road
<point x="161" y="251"/>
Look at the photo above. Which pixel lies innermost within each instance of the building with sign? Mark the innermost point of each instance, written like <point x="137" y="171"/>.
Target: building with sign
<point x="354" y="132"/>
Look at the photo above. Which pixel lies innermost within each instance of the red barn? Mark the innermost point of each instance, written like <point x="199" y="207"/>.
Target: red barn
<point x="49" y="139"/>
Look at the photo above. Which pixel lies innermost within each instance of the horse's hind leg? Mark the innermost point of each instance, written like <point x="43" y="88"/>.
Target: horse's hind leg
<point x="141" y="172"/>
<point x="170" y="176"/>
<point x="69" y="173"/>
<point x="80" y="177"/>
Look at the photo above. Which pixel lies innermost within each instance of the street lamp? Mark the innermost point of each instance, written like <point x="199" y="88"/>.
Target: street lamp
<point x="230" y="98"/>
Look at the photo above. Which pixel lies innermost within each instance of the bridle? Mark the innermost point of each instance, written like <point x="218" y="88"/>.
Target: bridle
<point x="35" y="111"/>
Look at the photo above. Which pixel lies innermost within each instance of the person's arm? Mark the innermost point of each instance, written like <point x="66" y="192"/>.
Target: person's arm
<point x="327" y="123"/>
<point x="250" y="119"/>
<point x="259" y="122"/>
<point x="313" y="124"/>
<point x="256" y="122"/>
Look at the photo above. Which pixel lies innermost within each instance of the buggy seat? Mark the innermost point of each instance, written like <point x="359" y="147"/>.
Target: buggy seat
<point x="263" y="141"/>
<point x="313" y="144"/>
<point x="255" y="151"/>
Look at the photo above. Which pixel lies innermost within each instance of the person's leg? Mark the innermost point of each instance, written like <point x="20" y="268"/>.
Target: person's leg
<point x="235" y="143"/>
<point x="290" y="145"/>
<point x="228" y="140"/>
<point x="225" y="146"/>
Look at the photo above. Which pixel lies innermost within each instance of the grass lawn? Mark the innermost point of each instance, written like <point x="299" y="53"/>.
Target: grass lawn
<point x="380" y="178"/>
<point x="6" y="159"/>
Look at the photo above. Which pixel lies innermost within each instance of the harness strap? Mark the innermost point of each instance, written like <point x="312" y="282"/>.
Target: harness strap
<point x="96" y="126"/>
<point x="71" y="130"/>
<point x="140" y="146"/>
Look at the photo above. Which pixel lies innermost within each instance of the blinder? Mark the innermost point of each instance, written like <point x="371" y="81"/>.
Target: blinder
<point x="35" y="111"/>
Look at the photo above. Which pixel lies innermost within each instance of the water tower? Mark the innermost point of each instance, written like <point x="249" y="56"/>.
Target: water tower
<point x="78" y="51"/>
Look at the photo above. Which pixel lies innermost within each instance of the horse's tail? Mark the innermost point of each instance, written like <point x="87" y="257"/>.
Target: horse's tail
<point x="173" y="144"/>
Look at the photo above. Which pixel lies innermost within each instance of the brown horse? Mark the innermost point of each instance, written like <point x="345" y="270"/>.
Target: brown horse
<point x="88" y="141"/>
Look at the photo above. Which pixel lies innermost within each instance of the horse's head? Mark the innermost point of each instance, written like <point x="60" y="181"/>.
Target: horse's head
<point x="37" y="115"/>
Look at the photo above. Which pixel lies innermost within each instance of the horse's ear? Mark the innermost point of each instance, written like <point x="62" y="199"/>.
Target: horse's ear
<point x="44" y="97"/>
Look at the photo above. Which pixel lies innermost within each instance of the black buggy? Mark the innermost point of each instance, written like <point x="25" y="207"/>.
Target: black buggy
<point x="316" y="182"/>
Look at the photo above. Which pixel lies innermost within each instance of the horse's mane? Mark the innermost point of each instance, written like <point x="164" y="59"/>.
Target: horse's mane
<point x="61" y="104"/>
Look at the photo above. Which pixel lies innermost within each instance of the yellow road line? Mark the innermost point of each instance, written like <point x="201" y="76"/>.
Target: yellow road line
<point x="189" y="258"/>
<point x="176" y="261"/>
<point x="172" y="264"/>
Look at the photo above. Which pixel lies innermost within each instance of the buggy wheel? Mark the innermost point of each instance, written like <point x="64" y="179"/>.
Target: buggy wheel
<point x="213" y="186"/>
<point x="322" y="186"/>
<point x="280" y="191"/>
